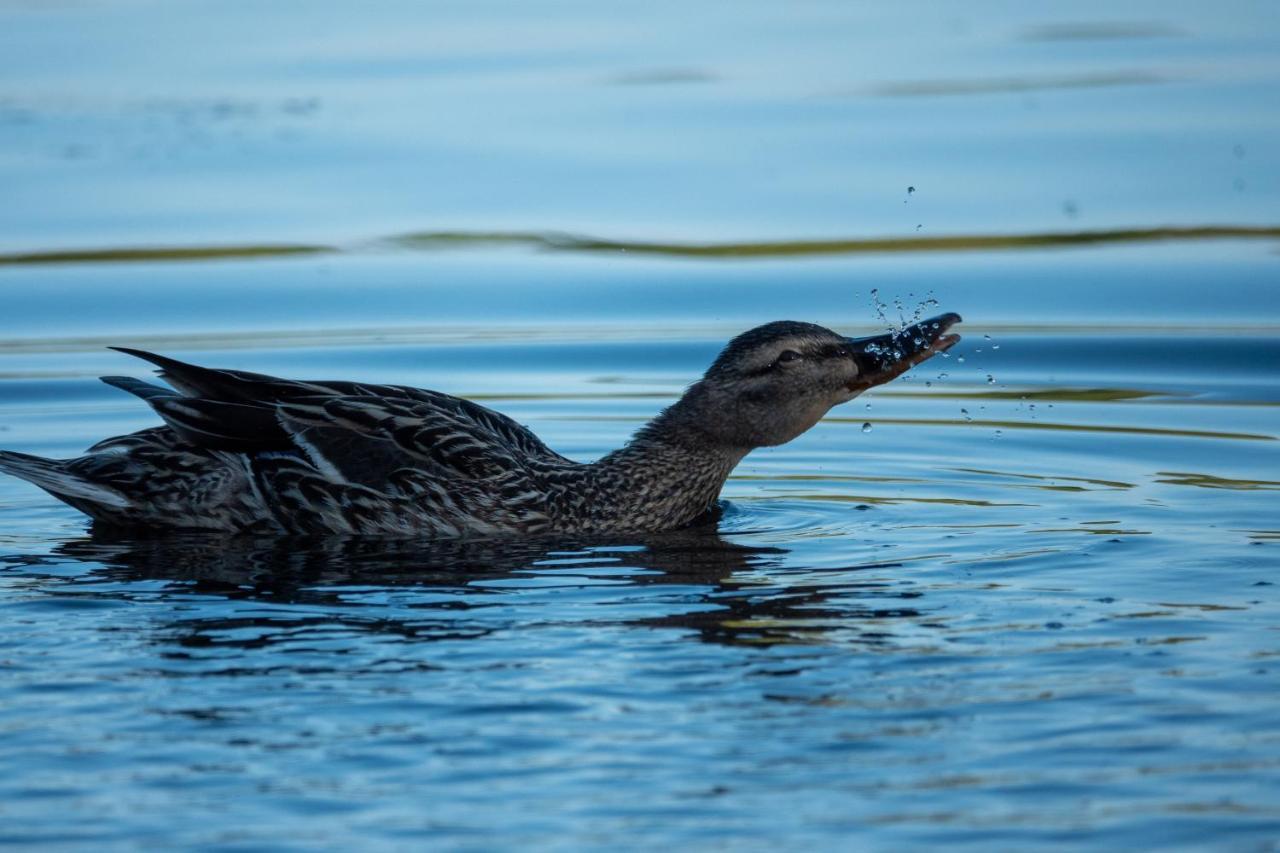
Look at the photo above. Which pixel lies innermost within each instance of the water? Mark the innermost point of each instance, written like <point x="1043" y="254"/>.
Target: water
<point x="1035" y="611"/>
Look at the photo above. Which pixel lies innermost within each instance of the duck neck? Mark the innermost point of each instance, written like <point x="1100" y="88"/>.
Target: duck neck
<point x="669" y="474"/>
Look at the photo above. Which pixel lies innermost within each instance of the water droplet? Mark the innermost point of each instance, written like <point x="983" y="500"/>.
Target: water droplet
<point x="866" y="427"/>
<point x="965" y="412"/>
<point x="928" y="384"/>
<point x="986" y="337"/>
<point x="998" y="433"/>
<point x="868" y="407"/>
<point x="995" y="346"/>
<point x="910" y="190"/>
<point x="960" y="359"/>
<point x="991" y="380"/>
<point x="942" y="375"/>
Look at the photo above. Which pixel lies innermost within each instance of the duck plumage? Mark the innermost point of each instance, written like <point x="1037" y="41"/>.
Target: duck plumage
<point x="247" y="452"/>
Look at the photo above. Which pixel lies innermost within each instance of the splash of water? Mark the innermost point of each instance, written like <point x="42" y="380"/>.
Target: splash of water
<point x="884" y="311"/>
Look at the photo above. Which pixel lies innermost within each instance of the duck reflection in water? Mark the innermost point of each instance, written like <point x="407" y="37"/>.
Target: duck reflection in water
<point x="721" y="591"/>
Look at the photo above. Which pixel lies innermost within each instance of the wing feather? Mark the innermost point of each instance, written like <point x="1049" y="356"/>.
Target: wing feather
<point x="349" y="432"/>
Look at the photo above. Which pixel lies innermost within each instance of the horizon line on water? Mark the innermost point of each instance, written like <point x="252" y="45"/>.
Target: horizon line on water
<point x="555" y="241"/>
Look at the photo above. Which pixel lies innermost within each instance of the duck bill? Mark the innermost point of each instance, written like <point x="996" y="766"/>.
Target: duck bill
<point x="882" y="358"/>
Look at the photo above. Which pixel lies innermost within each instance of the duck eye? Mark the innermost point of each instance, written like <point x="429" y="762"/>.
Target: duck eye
<point x="788" y="355"/>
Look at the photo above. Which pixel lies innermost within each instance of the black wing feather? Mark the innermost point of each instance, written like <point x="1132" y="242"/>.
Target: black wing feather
<point x="222" y="426"/>
<point x="242" y="411"/>
<point x="230" y="385"/>
<point x="137" y="387"/>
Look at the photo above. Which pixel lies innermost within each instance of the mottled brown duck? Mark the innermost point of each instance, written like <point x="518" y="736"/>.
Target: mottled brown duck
<point x="246" y="452"/>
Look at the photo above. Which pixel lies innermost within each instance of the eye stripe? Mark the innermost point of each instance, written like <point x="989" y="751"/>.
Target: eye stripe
<point x="807" y="350"/>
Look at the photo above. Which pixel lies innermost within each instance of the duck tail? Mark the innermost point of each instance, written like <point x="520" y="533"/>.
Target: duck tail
<point x="138" y="388"/>
<point x="57" y="478"/>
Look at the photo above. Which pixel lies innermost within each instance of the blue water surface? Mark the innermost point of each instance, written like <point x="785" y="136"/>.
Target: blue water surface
<point x="1023" y="598"/>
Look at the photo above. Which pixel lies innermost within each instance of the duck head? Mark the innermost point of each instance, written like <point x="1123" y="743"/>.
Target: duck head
<point x="772" y="383"/>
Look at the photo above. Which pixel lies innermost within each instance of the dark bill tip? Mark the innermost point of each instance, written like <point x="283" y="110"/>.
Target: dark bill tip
<point x="885" y="357"/>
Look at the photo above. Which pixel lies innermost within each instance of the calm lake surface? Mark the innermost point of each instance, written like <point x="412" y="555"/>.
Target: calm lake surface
<point x="1026" y="597"/>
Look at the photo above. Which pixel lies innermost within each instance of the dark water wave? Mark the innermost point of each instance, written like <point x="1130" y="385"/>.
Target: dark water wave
<point x="990" y="85"/>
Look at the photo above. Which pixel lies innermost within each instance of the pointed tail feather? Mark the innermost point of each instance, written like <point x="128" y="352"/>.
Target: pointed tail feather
<point x="161" y="361"/>
<point x="197" y="381"/>
<point x="53" y="476"/>
<point x="185" y="377"/>
<point x="138" y="388"/>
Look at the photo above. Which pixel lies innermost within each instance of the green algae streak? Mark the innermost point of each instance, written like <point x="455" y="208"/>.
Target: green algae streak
<point x="571" y="243"/>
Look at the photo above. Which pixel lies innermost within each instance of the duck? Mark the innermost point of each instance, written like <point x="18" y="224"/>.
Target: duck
<point x="242" y="452"/>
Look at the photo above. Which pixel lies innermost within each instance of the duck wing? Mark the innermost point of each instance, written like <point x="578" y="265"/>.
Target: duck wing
<point x="243" y="411"/>
<point x="309" y="456"/>
<point x="354" y="435"/>
<point x="162" y="480"/>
